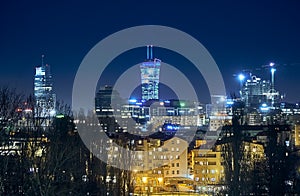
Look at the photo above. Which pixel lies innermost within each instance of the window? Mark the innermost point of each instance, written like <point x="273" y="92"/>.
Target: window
<point x="211" y="163"/>
<point x="177" y="171"/>
<point x="211" y="155"/>
<point x="173" y="172"/>
<point x="173" y="165"/>
<point x="177" y="164"/>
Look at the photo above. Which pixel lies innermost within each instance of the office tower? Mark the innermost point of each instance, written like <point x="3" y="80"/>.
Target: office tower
<point x="43" y="91"/>
<point x="255" y="92"/>
<point x="150" y="76"/>
<point x="107" y="102"/>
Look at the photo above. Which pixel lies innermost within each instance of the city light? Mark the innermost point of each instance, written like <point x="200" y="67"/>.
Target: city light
<point x="264" y="107"/>
<point x="144" y="179"/>
<point x="273" y="70"/>
<point x="160" y="179"/>
<point x="132" y="100"/>
<point x="241" y="77"/>
<point x="60" y="116"/>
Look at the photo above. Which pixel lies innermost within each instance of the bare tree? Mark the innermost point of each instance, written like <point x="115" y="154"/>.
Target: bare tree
<point x="10" y="102"/>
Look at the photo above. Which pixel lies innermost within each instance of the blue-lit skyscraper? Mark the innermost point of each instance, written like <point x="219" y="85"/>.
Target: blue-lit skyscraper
<point x="43" y="91"/>
<point x="150" y="76"/>
<point x="255" y="91"/>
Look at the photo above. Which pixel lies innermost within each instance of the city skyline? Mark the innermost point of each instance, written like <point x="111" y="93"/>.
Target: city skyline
<point x="242" y="39"/>
<point x="150" y="98"/>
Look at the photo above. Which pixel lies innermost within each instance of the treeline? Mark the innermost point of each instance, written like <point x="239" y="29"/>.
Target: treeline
<point x="46" y="156"/>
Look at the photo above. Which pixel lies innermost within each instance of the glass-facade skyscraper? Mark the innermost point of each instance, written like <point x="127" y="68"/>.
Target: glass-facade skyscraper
<point x="255" y="91"/>
<point x="43" y="92"/>
<point x="150" y="76"/>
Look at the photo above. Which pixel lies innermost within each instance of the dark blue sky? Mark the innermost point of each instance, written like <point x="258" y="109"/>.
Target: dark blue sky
<point x="238" y="34"/>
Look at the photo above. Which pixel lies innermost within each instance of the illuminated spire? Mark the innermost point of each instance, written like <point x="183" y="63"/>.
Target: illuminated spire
<point x="149" y="52"/>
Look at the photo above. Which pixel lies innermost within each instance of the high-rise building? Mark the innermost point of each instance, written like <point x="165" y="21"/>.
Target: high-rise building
<point x="255" y="92"/>
<point x="150" y="76"/>
<point x="45" y="98"/>
<point x="107" y="101"/>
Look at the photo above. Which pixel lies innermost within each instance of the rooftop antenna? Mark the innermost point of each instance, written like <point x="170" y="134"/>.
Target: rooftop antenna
<point x="43" y="60"/>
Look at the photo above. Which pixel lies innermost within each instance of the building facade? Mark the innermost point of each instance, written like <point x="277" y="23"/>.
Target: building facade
<point x="150" y="76"/>
<point x="255" y="92"/>
<point x="45" y="97"/>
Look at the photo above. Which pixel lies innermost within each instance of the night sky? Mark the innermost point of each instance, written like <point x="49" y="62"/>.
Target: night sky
<point x="238" y="34"/>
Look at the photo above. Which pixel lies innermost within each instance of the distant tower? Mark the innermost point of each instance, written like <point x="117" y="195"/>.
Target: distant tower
<point x="254" y="91"/>
<point x="150" y="76"/>
<point x="43" y="92"/>
<point x="106" y="101"/>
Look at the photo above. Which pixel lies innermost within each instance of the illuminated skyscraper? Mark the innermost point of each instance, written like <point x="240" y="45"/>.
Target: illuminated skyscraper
<point x="150" y="76"/>
<point x="254" y="92"/>
<point x="44" y="96"/>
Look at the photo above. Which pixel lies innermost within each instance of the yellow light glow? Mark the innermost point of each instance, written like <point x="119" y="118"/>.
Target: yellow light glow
<point x="160" y="179"/>
<point x="144" y="179"/>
